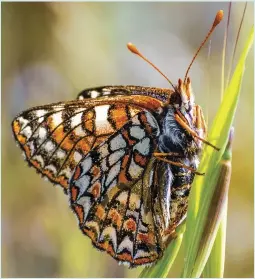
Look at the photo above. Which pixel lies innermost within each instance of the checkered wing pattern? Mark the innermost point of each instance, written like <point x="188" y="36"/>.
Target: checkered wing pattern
<point x="110" y="192"/>
<point x="56" y="137"/>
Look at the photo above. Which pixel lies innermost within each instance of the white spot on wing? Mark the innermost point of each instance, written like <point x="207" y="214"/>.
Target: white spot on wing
<point x="49" y="146"/>
<point x="122" y="198"/>
<point x="116" y="156"/>
<point x="39" y="159"/>
<point x="42" y="133"/>
<point x="86" y="164"/>
<point x="22" y="121"/>
<point x="41" y="112"/>
<point x="141" y="254"/>
<point x="152" y="121"/>
<point x="114" y="171"/>
<point x="111" y="232"/>
<point x="27" y="132"/>
<point x="94" y="94"/>
<point x="77" y="156"/>
<point x="103" y="150"/>
<point x="85" y="202"/>
<point x="142" y="228"/>
<point x="137" y="132"/>
<point x="51" y="168"/>
<point x="117" y="142"/>
<point x="126" y="244"/>
<point x="134" y="201"/>
<point x="82" y="183"/>
<point x="143" y="147"/>
<point x="101" y="114"/>
<point x="57" y="118"/>
<point x="66" y="172"/>
<point x="76" y="120"/>
<point x="79" y="131"/>
<point x="103" y="165"/>
<point x="61" y="153"/>
<point x="134" y="170"/>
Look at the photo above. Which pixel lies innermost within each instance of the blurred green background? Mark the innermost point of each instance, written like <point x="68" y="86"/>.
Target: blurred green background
<point x="51" y="51"/>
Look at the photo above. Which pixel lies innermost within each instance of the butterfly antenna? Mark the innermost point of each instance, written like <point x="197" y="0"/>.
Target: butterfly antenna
<point x="217" y="20"/>
<point x="134" y="50"/>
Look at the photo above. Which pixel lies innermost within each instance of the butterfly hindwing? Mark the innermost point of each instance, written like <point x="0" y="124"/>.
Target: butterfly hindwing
<point x="56" y="137"/>
<point x="110" y="193"/>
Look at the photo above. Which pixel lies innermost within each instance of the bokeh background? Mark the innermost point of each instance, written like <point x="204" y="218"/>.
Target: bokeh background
<point x="51" y="51"/>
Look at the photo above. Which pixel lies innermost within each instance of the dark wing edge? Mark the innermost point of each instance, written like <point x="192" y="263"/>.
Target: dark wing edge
<point x="161" y="94"/>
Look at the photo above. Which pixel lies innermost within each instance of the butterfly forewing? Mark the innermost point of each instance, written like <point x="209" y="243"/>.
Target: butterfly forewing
<point x="108" y="190"/>
<point x="56" y="137"/>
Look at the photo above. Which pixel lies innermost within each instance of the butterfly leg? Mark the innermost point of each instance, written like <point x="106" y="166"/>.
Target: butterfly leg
<point x="176" y="164"/>
<point x="200" y="120"/>
<point x="193" y="133"/>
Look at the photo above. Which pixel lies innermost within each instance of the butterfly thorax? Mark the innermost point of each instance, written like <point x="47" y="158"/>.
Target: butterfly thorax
<point x="174" y="138"/>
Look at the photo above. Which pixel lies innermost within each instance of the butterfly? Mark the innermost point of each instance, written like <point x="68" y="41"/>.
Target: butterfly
<point x="126" y="156"/>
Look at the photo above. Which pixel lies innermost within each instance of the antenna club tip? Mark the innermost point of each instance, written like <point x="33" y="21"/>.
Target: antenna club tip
<point x="132" y="48"/>
<point x="218" y="18"/>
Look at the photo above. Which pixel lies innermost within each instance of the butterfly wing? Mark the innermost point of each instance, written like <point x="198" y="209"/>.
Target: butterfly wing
<point x="110" y="192"/>
<point x="55" y="137"/>
<point x="161" y="94"/>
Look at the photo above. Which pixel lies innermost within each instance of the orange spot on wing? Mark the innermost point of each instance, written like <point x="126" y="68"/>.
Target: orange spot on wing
<point x="77" y="172"/>
<point x="74" y="193"/>
<point x="126" y="136"/>
<point x="95" y="190"/>
<point x="107" y="247"/>
<point x="36" y="164"/>
<point x="130" y="225"/>
<point x="63" y="181"/>
<point x="89" y="115"/>
<point x="100" y="212"/>
<point x="27" y="151"/>
<point x="146" y="238"/>
<point x="90" y="234"/>
<point x="21" y="139"/>
<point x="125" y="257"/>
<point x="141" y="160"/>
<point x="16" y="127"/>
<point x="122" y="176"/>
<point x="90" y="125"/>
<point x="150" y="259"/>
<point x="84" y="145"/>
<point x="95" y="171"/>
<point x="146" y="124"/>
<point x="115" y="217"/>
<point x="119" y="116"/>
<point x="79" y="211"/>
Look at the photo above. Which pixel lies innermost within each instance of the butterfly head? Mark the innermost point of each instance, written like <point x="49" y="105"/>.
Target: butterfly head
<point x="183" y="97"/>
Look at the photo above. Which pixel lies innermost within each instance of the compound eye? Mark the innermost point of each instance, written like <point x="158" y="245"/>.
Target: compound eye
<point x="176" y="99"/>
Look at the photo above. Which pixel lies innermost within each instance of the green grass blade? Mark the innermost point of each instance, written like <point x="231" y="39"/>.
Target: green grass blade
<point x="214" y="267"/>
<point x="162" y="267"/>
<point x="204" y="187"/>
